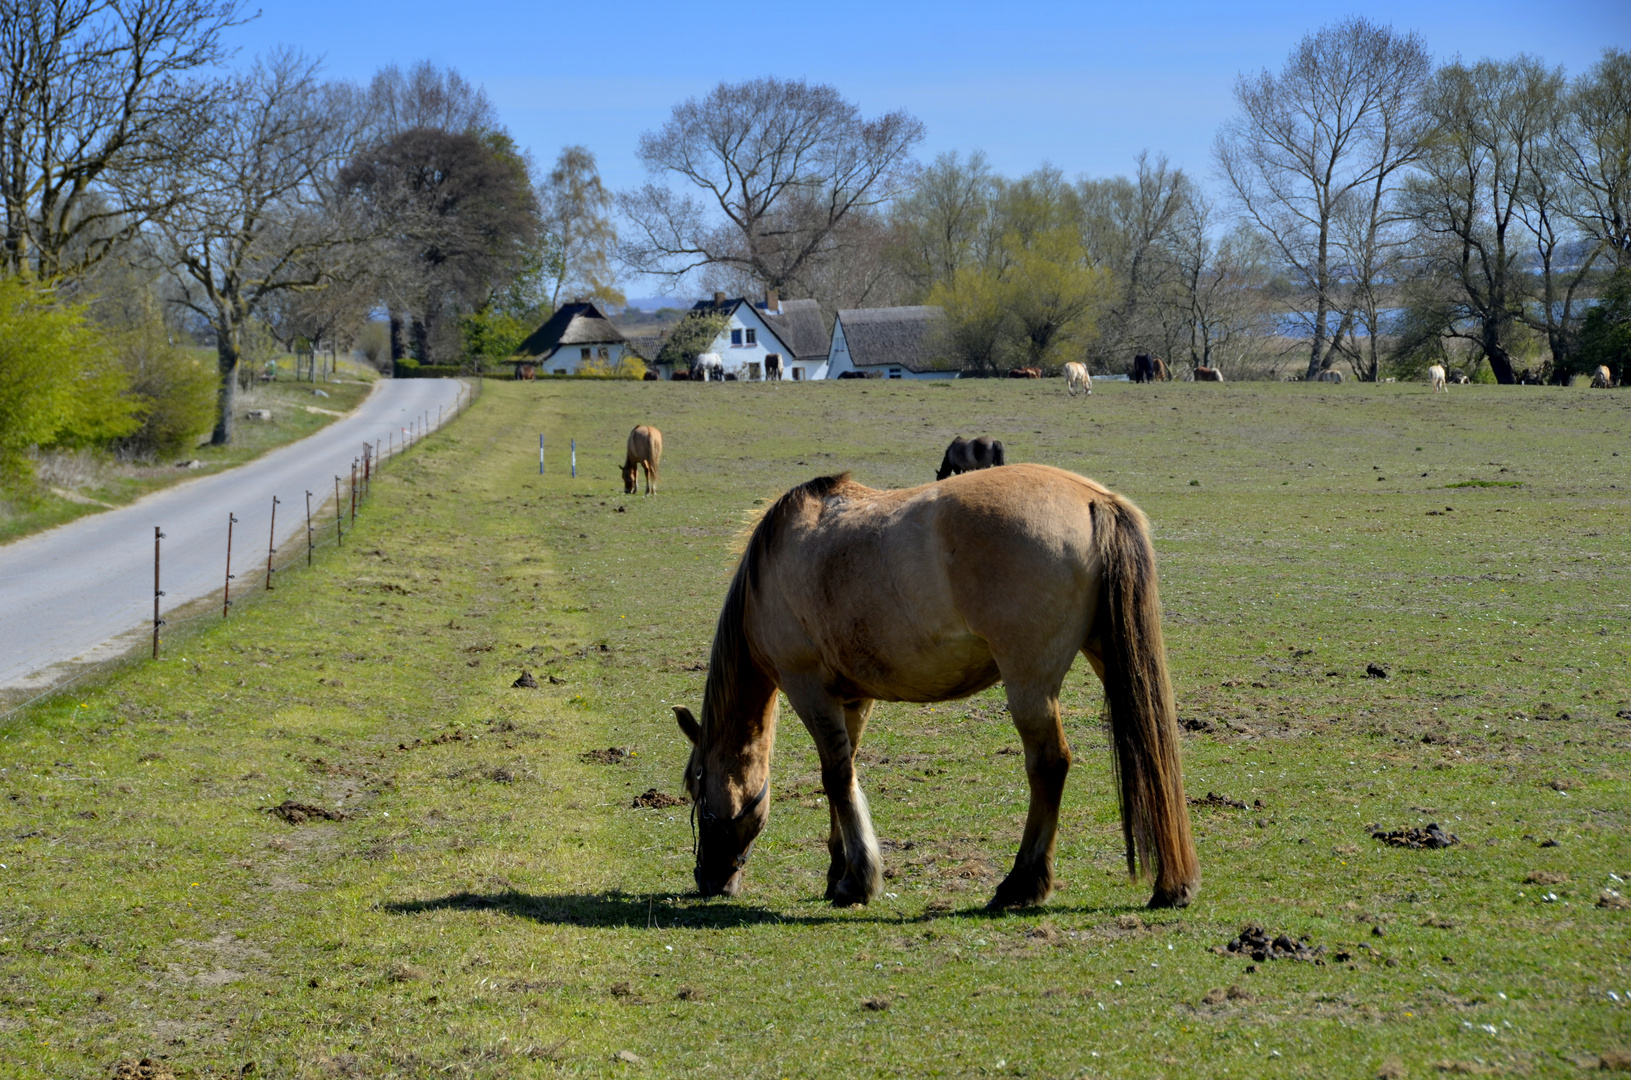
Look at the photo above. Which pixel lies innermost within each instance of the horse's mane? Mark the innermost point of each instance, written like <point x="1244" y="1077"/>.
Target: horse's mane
<point x="730" y="648"/>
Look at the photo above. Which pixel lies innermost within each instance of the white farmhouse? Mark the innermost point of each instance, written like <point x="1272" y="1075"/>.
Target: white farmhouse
<point x="894" y="343"/>
<point x="791" y="330"/>
<point x="578" y="334"/>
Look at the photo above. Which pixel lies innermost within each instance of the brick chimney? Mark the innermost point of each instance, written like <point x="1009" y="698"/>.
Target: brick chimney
<point x="773" y="302"/>
<point x="719" y="299"/>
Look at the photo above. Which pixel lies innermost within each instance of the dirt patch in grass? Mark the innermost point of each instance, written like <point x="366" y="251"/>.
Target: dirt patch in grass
<point x="1430" y="837"/>
<point x="145" y="1069"/>
<point x="1217" y="802"/>
<point x="1261" y="946"/>
<point x="652" y="799"/>
<point x="296" y="813"/>
<point x="612" y="755"/>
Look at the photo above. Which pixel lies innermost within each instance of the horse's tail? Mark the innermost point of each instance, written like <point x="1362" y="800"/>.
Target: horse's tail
<point x="1143" y="722"/>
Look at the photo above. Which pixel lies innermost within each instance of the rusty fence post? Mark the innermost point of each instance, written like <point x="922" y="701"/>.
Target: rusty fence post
<point x="339" y="515"/>
<point x="157" y="592"/>
<point x="310" y="543"/>
<point x="271" y="544"/>
<point x="226" y="588"/>
<point x="353" y="491"/>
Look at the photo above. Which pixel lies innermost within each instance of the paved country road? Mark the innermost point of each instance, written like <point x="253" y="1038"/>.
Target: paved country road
<point x="74" y="594"/>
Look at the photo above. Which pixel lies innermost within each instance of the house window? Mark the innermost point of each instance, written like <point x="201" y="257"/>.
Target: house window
<point x="753" y="336"/>
<point x="894" y="373"/>
<point x="798" y="374"/>
<point x="585" y="354"/>
<point x="736" y="337"/>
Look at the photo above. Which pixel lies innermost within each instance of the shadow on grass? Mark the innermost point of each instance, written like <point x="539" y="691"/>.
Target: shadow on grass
<point x="657" y="911"/>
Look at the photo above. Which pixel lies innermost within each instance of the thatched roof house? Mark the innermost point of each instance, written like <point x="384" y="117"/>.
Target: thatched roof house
<point x="576" y="334"/>
<point x="895" y="343"/>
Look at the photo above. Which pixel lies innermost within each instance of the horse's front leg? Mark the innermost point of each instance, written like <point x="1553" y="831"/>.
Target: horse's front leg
<point x="1047" y="761"/>
<point x="855" y="872"/>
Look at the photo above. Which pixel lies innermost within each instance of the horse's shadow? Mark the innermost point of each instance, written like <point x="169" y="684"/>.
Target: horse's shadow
<point x="659" y="911"/>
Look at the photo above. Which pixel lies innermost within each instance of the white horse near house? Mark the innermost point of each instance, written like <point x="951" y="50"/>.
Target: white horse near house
<point x="1077" y="378"/>
<point x="1435" y="375"/>
<point x="712" y="366"/>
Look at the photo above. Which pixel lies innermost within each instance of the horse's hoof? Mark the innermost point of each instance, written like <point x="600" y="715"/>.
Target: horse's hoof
<point x="845" y="894"/>
<point x="1011" y="895"/>
<point x="1174" y="898"/>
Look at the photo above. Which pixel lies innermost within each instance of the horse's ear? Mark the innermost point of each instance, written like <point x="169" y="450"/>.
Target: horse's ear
<point x="688" y="724"/>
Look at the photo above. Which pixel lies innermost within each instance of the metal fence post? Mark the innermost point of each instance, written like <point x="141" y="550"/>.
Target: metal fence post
<point x="271" y="544"/>
<point x="339" y="515"/>
<point x="226" y="589"/>
<point x="310" y="543"/>
<point x="353" y="491"/>
<point x="157" y="592"/>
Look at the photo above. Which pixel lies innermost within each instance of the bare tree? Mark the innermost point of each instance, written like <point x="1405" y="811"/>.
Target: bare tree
<point x="1338" y="125"/>
<point x="1211" y="307"/>
<point x="1130" y="228"/>
<point x="94" y="94"/>
<point x="943" y="224"/>
<point x="579" y="233"/>
<point x="253" y="212"/>
<point x="1597" y="152"/>
<point x="1493" y="121"/>
<point x="774" y="167"/>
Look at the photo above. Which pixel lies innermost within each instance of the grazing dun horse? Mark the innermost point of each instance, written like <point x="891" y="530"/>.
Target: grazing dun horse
<point x="1077" y="378"/>
<point x="846" y="596"/>
<point x="967" y="455"/>
<point x="645" y="448"/>
<point x="1602" y="378"/>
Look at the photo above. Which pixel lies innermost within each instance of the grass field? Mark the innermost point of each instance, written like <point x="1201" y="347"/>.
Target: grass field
<point x="98" y="483"/>
<point x="492" y="905"/>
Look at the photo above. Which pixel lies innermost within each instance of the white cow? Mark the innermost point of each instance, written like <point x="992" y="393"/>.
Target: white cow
<point x="1435" y="375"/>
<point x="1077" y="378"/>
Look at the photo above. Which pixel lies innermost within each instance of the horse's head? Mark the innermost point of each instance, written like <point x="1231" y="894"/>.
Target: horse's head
<point x="727" y="821"/>
<point x="629" y="469"/>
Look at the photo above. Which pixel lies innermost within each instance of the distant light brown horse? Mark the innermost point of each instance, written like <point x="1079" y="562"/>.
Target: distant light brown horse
<point x="846" y="596"/>
<point x="1602" y="378"/>
<point x="967" y="455"/>
<point x="645" y="448"/>
<point x="1025" y="373"/>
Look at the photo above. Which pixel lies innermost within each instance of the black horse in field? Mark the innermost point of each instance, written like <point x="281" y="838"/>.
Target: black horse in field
<point x="966" y="455"/>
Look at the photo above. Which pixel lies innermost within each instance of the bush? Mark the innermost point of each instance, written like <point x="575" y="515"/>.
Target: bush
<point x="177" y="391"/>
<point x="58" y="386"/>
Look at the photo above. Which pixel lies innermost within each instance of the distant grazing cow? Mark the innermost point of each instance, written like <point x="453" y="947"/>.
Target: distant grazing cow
<point x="1077" y="378"/>
<point x="1435" y="375"/>
<point x="967" y="455"/>
<point x="1329" y="375"/>
<point x="1208" y="374"/>
<point x="1025" y="373"/>
<point x="1602" y="378"/>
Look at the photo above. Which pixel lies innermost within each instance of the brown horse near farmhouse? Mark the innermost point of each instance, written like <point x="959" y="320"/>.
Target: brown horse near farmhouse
<point x="846" y="596"/>
<point x="967" y="455"/>
<point x="645" y="448"/>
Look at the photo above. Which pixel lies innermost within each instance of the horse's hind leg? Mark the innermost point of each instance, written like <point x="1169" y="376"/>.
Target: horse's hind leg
<point x="1035" y="710"/>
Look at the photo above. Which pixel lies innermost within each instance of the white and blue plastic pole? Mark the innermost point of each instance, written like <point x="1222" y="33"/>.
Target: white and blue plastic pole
<point x="540" y="455"/>
<point x="574" y="459"/>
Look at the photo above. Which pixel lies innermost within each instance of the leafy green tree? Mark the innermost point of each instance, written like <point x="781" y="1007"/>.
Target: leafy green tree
<point x="58" y="387"/>
<point x="690" y="336"/>
<point x="576" y="216"/>
<point x="1052" y="298"/>
<point x="973" y="300"/>
<point x="491" y="335"/>
<point x="1606" y="336"/>
<point x="176" y="390"/>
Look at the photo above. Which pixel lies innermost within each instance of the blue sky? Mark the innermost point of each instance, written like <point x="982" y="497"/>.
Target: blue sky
<point x="1084" y="86"/>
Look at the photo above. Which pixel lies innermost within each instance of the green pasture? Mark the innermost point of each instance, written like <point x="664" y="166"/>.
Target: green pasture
<point x="296" y="413"/>
<point x="493" y="905"/>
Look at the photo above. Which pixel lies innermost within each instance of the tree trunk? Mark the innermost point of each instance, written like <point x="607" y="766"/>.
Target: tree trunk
<point x="399" y="345"/>
<point x="227" y="356"/>
<point x="1500" y="361"/>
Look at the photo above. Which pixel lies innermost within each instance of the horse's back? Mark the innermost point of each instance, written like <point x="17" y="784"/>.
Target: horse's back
<point x="904" y="592"/>
<point x="645" y="444"/>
